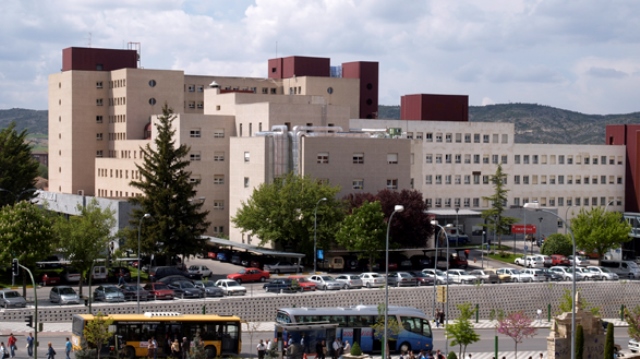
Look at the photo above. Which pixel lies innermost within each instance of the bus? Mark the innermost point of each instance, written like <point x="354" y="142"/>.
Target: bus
<point x="354" y="324"/>
<point x="221" y="335"/>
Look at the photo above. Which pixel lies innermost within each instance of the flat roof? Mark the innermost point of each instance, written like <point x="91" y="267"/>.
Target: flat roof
<point x="452" y="212"/>
<point x="221" y="242"/>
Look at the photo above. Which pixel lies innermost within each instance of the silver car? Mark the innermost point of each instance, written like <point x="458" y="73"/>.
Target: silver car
<point x="326" y="282"/>
<point x="64" y="295"/>
<point x="402" y="279"/>
<point x="350" y="280"/>
<point x="605" y="274"/>
<point x="108" y="293"/>
<point x="11" y="299"/>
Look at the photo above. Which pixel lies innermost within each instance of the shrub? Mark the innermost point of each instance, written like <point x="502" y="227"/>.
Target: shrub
<point x="355" y="349"/>
<point x="452" y="355"/>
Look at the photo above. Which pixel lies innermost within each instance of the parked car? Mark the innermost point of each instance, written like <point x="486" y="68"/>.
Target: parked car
<point x="282" y="285"/>
<point x="545" y="259"/>
<point x="422" y="279"/>
<point x="585" y="273"/>
<point x="249" y="275"/>
<point x="559" y="260"/>
<point x="231" y="287"/>
<point x="460" y="276"/>
<point x="186" y="289"/>
<point x="209" y="288"/>
<point x="401" y="279"/>
<point x="566" y="275"/>
<point x="159" y="272"/>
<point x="350" y="281"/>
<point x="420" y="262"/>
<point x="50" y="278"/>
<point x="580" y="260"/>
<point x="537" y="274"/>
<point x="634" y="346"/>
<point x="131" y="291"/>
<point x="485" y="276"/>
<point x="326" y="282"/>
<point x="200" y="271"/>
<point x="534" y="261"/>
<point x="516" y="275"/>
<point x="100" y="274"/>
<point x="439" y="276"/>
<point x="63" y="295"/>
<point x="108" y="293"/>
<point x="304" y="283"/>
<point x="10" y="298"/>
<point x="159" y="291"/>
<point x="372" y="279"/>
<point x="519" y="261"/>
<point x="70" y="275"/>
<point x="283" y="267"/>
<point x="552" y="276"/>
<point x="605" y="274"/>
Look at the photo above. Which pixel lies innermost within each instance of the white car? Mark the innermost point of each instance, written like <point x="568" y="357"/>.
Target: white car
<point x="566" y="275"/>
<point x="537" y="273"/>
<point x="350" y="280"/>
<point x="439" y="276"/>
<point x="516" y="275"/>
<point x="519" y="261"/>
<point x="326" y="282"/>
<point x="634" y="345"/>
<point x="230" y="287"/>
<point x="546" y="260"/>
<point x="485" y="276"/>
<point x="580" y="260"/>
<point x="587" y="274"/>
<point x="534" y="261"/>
<point x="460" y="276"/>
<point x="372" y="279"/>
<point x="201" y="270"/>
<point x="605" y="274"/>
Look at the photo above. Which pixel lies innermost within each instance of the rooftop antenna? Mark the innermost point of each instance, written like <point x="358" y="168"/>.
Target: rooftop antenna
<point x="276" y="49"/>
<point x="89" y="40"/>
<point x="138" y="47"/>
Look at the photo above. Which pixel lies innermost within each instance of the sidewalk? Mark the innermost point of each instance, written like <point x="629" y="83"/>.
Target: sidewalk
<point x="20" y="328"/>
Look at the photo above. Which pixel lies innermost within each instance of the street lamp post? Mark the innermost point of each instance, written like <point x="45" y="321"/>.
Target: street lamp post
<point x="397" y="208"/>
<point x="566" y="218"/>
<point x="146" y="215"/>
<point x="536" y="207"/>
<point x="315" y="230"/>
<point x="607" y="206"/>
<point x="446" y="310"/>
<point x="539" y="235"/>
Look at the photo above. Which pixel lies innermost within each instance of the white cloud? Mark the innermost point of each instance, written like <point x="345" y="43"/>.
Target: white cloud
<point x="573" y="55"/>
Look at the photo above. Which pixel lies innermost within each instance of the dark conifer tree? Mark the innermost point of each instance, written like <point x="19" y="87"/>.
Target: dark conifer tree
<point x="18" y="168"/>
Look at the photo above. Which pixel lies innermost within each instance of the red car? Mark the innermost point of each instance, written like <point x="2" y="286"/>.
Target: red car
<point x="304" y="283"/>
<point x="250" y="274"/>
<point x="159" y="291"/>
<point x="559" y="260"/>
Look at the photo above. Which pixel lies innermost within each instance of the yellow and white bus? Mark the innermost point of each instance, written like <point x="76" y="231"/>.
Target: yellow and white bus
<point x="221" y="335"/>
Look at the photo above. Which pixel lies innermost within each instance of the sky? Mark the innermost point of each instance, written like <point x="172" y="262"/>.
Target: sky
<point x="581" y="56"/>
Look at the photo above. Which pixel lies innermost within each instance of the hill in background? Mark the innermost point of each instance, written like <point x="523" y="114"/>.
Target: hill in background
<point x="533" y="123"/>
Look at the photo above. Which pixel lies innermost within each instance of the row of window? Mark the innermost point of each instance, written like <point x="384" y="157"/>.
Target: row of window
<point x="197" y="133"/>
<point x="111" y="193"/>
<point x="524" y="159"/>
<point x="357" y="158"/>
<point x="116" y="173"/>
<point x="478" y="202"/>
<point x="458" y="137"/>
<point x="477" y="178"/>
<point x="358" y="184"/>
<point x="194" y="104"/>
<point x="120" y="154"/>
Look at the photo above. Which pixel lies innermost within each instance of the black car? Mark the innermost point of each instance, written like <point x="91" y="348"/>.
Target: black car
<point x="131" y="291"/>
<point x="422" y="278"/>
<point x="284" y="285"/>
<point x="552" y="276"/>
<point x="186" y="289"/>
<point x="420" y="262"/>
<point x="157" y="273"/>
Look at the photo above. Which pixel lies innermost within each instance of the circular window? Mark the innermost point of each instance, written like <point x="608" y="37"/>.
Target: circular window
<point x="369" y="86"/>
<point x="369" y="102"/>
<point x="330" y="90"/>
<point x="152" y="101"/>
<point x="152" y="83"/>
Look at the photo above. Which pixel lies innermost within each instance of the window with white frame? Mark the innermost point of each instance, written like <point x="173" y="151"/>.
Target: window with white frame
<point x="485" y="159"/>
<point x="194" y="156"/>
<point x="525" y="159"/>
<point x="419" y="136"/>
<point x="218" y="205"/>
<point x="392" y="158"/>
<point x="458" y="158"/>
<point x="410" y="135"/>
<point x="246" y="182"/>
<point x="323" y="157"/>
<point x="467" y="158"/>
<point x="476" y="178"/>
<point x="438" y="179"/>
<point x="438" y="137"/>
<point x="447" y="158"/>
<point x="218" y="179"/>
<point x="467" y="138"/>
<point x="467" y="179"/>
<point x="219" y="133"/>
<point x="467" y="202"/>
<point x="428" y="158"/>
<point x="485" y="139"/>
<point x="476" y="159"/>
<point x="560" y="201"/>
<point x="247" y="156"/>
<point x="194" y="133"/>
<point x="505" y="138"/>
<point x="99" y="136"/>
<point x="495" y="159"/>
<point x="392" y="183"/>
<point x="428" y="179"/>
<point x="438" y="158"/>
<point x="458" y="179"/>
<point x="525" y="179"/>
<point x="448" y="137"/>
<point x="447" y="179"/>
<point x="218" y="156"/>
<point x="516" y="159"/>
<point x="447" y="202"/>
<point x="428" y="202"/>
<point x="458" y="138"/>
<point x="476" y="202"/>
<point x="358" y="158"/>
<point x="438" y="202"/>
<point x="476" y="138"/>
<point x="428" y="137"/>
<point x="357" y="183"/>
<point x="516" y="179"/>
<point x="456" y="202"/>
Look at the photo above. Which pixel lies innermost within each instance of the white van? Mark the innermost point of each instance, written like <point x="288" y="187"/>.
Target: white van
<point x="99" y="274"/>
<point x="624" y="269"/>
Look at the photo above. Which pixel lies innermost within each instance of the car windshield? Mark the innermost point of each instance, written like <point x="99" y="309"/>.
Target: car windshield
<point x="11" y="294"/>
<point x="67" y="290"/>
<point x="207" y="284"/>
<point x="232" y="284"/>
<point x="186" y="285"/>
<point x="375" y="275"/>
<point x="327" y="278"/>
<point x="110" y="289"/>
<point x="131" y="287"/>
<point x="515" y="271"/>
<point x="604" y="270"/>
<point x="160" y="286"/>
<point x="242" y="271"/>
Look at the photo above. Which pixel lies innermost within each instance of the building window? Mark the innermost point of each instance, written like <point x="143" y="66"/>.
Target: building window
<point x="392" y="184"/>
<point x="458" y="138"/>
<point x="525" y="179"/>
<point x="410" y="135"/>
<point x="357" y="184"/>
<point x="323" y="157"/>
<point x="246" y="182"/>
<point x="447" y="179"/>
<point x="194" y="157"/>
<point x="467" y="158"/>
<point x="476" y="138"/>
<point x="428" y="179"/>
<point x="476" y="179"/>
<point x="99" y="136"/>
<point x="218" y="134"/>
<point x="358" y="158"/>
<point x="467" y="202"/>
<point x="569" y="160"/>
<point x="194" y="133"/>
<point x="392" y="158"/>
<point x="99" y="102"/>
<point x="218" y="179"/>
<point x="560" y="179"/>
<point x="485" y="138"/>
<point x="438" y="137"/>
<point x="99" y="153"/>
<point x="476" y="202"/>
<point x="419" y="136"/>
<point x="438" y="158"/>
<point x="516" y="159"/>
<point x="495" y="159"/>
<point x="438" y="179"/>
<point x="467" y="179"/>
<point x="504" y="159"/>
<point x="247" y="156"/>
<point x="505" y="138"/>
<point x="516" y="179"/>
<point x="218" y="156"/>
<point x="467" y="138"/>
<point x="429" y="137"/>
<point x="200" y="88"/>
<point x="218" y="205"/>
<point x="476" y="159"/>
<point x="192" y="88"/>
<point x="485" y="179"/>
<point x="428" y="158"/>
<point x="525" y="159"/>
<point x="485" y="159"/>
<point x="458" y="158"/>
<point x="448" y="137"/>
<point x="98" y="119"/>
<point x="447" y="158"/>
<point x="458" y="179"/>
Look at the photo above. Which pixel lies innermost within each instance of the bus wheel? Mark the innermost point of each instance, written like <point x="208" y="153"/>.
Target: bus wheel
<point x="210" y="351"/>
<point x="130" y="353"/>
<point x="405" y="347"/>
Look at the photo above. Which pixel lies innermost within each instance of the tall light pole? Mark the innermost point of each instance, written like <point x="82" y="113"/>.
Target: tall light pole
<point x="446" y="310"/>
<point x="397" y="208"/>
<point x="315" y="231"/>
<point x="566" y="218"/>
<point x="457" y="229"/>
<point x="535" y="206"/>
<point x="146" y="215"/>
<point x="605" y="207"/>
<point x="539" y="235"/>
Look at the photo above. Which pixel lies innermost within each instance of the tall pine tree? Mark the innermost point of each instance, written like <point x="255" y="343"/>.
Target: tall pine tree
<point x="18" y="168"/>
<point x="496" y="221"/>
<point x="177" y="219"/>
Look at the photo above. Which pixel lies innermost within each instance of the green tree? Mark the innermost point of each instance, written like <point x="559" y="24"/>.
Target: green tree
<point x="462" y="332"/>
<point x="411" y="227"/>
<point x="84" y="238"/>
<point x="597" y="231"/>
<point x="498" y="223"/>
<point x="609" y="342"/>
<point x="18" y="168"/>
<point x="364" y="231"/>
<point x="282" y="213"/>
<point x="177" y="220"/>
<point x="633" y="319"/>
<point x="579" y="342"/>
<point x="393" y="329"/>
<point x="96" y="331"/>
<point x="557" y="243"/>
<point x="26" y="234"/>
<point x="564" y="306"/>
